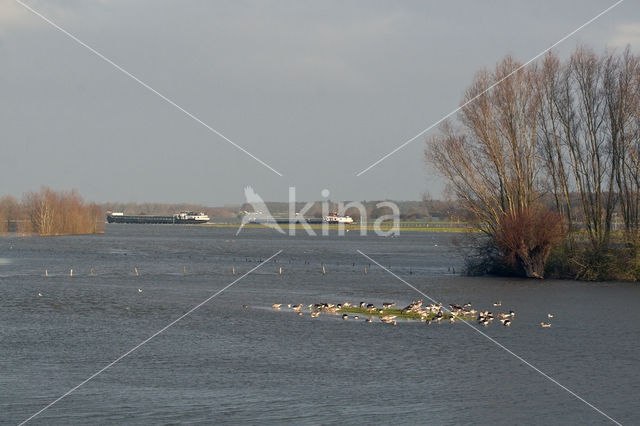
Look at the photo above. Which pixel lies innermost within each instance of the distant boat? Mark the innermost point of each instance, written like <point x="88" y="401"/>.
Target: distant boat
<point x="334" y="218"/>
<point x="185" y="217"/>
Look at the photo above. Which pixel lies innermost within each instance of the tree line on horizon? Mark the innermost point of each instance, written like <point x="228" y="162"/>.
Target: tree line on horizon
<point x="167" y="209"/>
<point x="48" y="212"/>
<point x="545" y="160"/>
<point x="426" y="209"/>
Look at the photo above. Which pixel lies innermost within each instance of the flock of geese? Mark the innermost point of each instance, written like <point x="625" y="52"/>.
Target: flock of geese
<point x="433" y="312"/>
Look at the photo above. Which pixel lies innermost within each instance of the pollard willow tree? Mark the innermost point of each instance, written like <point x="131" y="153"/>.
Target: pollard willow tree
<point x="491" y="162"/>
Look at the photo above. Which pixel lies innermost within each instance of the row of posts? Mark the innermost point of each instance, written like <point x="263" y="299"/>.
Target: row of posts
<point x="233" y="271"/>
<point x="184" y="270"/>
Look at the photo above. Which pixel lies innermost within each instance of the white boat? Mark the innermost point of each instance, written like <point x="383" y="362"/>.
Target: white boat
<point x="191" y="217"/>
<point x="334" y="218"/>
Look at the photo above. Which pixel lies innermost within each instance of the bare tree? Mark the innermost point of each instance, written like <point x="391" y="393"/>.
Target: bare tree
<point x="622" y="98"/>
<point x="588" y="144"/>
<point x="10" y="210"/>
<point x="585" y="115"/>
<point x="41" y="209"/>
<point x="57" y="213"/>
<point x="492" y="163"/>
<point x="552" y="132"/>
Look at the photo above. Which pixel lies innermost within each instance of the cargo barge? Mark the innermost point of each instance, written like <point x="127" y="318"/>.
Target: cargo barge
<point x="177" y="219"/>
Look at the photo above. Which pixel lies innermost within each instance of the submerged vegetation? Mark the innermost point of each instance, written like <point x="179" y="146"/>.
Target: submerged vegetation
<point x="545" y="161"/>
<point x="388" y="312"/>
<point x="401" y="314"/>
<point x="415" y="311"/>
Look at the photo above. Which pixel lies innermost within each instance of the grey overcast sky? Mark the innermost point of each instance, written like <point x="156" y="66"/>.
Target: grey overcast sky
<point x="317" y="89"/>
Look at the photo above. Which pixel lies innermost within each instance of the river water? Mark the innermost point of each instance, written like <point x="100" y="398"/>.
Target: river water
<point x="225" y="363"/>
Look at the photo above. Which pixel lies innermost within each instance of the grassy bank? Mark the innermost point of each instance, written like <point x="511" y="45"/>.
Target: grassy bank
<point x="352" y="228"/>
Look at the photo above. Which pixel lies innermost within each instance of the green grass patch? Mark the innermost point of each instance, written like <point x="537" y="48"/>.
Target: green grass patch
<point x="352" y="228"/>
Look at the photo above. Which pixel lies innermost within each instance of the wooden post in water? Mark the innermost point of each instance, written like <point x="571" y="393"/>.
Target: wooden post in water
<point x="184" y="270"/>
<point x="233" y="270"/>
<point x="70" y="272"/>
<point x="365" y="270"/>
<point x="91" y="272"/>
<point x="280" y="271"/>
<point x="46" y="273"/>
<point x="135" y="269"/>
<point x="324" y="270"/>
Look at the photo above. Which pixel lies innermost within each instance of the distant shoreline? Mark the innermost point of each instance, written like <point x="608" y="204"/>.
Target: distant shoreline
<point x="354" y="227"/>
<point x="35" y="234"/>
<point x="315" y="227"/>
